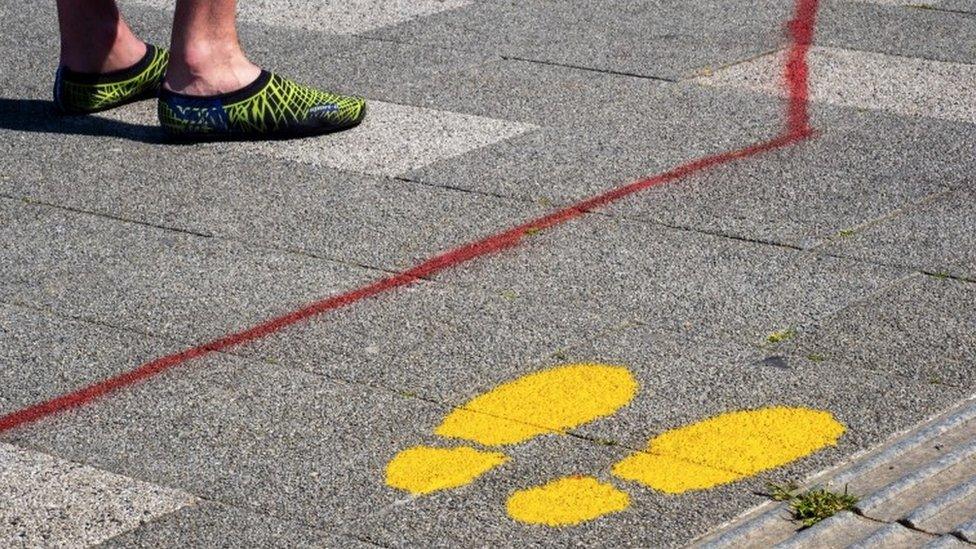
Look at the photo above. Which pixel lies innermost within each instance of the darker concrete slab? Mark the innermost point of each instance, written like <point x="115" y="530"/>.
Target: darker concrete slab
<point x="500" y="317"/>
<point x="676" y="279"/>
<point x="184" y="287"/>
<point x="45" y="355"/>
<point x="921" y="329"/>
<point x="684" y="379"/>
<point x="437" y="341"/>
<point x="652" y="131"/>
<point x="543" y="94"/>
<point x="268" y="439"/>
<point x="967" y="6"/>
<point x="220" y="526"/>
<point x="897" y="30"/>
<point x="935" y="236"/>
<point x="846" y="175"/>
<point x="352" y="218"/>
<point x="655" y="39"/>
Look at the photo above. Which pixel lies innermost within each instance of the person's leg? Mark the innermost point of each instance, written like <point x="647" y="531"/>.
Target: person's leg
<point x="103" y="64"/>
<point x="95" y="38"/>
<point x="207" y="58"/>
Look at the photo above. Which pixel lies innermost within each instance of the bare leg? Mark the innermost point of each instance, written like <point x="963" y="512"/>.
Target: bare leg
<point x="207" y="58"/>
<point x="95" y="38"/>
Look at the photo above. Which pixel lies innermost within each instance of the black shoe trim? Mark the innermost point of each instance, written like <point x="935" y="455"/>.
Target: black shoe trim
<point x="246" y="92"/>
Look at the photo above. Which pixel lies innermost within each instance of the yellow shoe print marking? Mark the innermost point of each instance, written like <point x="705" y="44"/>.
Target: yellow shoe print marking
<point x="719" y="450"/>
<point x="566" y="502"/>
<point x="550" y="401"/>
<point x="729" y="447"/>
<point x="422" y="469"/>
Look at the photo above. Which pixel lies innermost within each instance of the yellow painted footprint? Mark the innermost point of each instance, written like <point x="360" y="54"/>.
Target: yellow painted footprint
<point x="550" y="401"/>
<point x="716" y="451"/>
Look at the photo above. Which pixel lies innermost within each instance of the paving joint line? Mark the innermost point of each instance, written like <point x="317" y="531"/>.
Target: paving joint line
<point x="41" y="203"/>
<point x="941" y="9"/>
<point x="698" y="73"/>
<point x="591" y="69"/>
<point x="246" y="243"/>
<point x="887" y="216"/>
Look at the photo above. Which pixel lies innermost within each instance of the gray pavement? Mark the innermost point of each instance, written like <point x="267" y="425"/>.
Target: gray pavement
<point x="835" y="274"/>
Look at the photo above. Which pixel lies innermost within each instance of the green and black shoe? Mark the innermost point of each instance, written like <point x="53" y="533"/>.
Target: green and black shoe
<point x="270" y="107"/>
<point x="86" y="93"/>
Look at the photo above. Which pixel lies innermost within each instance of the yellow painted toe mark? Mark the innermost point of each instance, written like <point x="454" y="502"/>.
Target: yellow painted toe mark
<point x="729" y="447"/>
<point x="422" y="469"/>
<point x="671" y="475"/>
<point x="567" y="501"/>
<point x="552" y="400"/>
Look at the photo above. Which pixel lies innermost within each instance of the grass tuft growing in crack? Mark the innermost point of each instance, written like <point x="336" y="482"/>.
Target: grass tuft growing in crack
<point x="814" y="505"/>
<point x="781" y="336"/>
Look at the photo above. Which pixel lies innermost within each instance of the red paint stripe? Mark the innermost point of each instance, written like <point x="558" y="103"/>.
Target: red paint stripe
<point x="798" y="129"/>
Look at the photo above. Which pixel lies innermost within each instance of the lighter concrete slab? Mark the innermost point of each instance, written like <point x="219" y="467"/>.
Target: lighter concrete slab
<point x="49" y="502"/>
<point x="921" y="4"/>
<point x="332" y="16"/>
<point x="903" y="85"/>
<point x="393" y="140"/>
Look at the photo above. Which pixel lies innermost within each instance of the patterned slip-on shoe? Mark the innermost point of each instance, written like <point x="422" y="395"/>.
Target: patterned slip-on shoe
<point x="270" y="107"/>
<point x="86" y="93"/>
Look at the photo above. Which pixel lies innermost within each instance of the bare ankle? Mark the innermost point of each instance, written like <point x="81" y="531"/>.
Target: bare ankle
<point x="102" y="50"/>
<point x="209" y="69"/>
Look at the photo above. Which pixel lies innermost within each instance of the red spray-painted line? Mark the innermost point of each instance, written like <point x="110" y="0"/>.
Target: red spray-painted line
<point x="798" y="128"/>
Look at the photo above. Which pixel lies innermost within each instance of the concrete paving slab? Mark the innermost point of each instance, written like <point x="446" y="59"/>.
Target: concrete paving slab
<point x="904" y="85"/>
<point x="920" y="329"/>
<point x="682" y="280"/>
<point x="220" y="526"/>
<point x="50" y="502"/>
<point x="895" y="30"/>
<point x="841" y="179"/>
<point x="369" y="67"/>
<point x="671" y="125"/>
<point x="684" y="379"/>
<point x="268" y="439"/>
<point x="934" y="236"/>
<point x="358" y="219"/>
<point x="500" y="316"/>
<point x="348" y="17"/>
<point x="45" y="355"/>
<point x="967" y="6"/>
<point x="669" y="40"/>
<point x="437" y="341"/>
<point x="184" y="287"/>
<point x="547" y="95"/>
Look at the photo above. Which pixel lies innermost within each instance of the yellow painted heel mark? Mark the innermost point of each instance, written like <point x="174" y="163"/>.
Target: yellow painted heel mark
<point x="729" y="447"/>
<point x="552" y="400"/>
<point x="423" y="469"/>
<point x="566" y="502"/>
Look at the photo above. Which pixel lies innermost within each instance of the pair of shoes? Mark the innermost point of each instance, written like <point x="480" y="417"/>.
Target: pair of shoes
<point x="270" y="107"/>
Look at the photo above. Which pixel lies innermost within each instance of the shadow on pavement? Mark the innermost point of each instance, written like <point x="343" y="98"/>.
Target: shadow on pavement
<point x="33" y="115"/>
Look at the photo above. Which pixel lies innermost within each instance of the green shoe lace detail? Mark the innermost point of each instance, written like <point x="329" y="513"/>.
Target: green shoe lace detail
<point x="270" y="106"/>
<point x="82" y="93"/>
